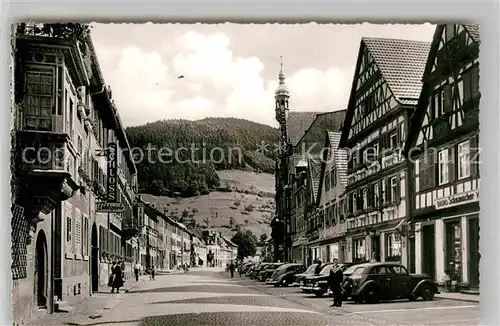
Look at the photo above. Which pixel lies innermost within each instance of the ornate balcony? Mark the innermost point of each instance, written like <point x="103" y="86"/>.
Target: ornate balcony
<point x="45" y="170"/>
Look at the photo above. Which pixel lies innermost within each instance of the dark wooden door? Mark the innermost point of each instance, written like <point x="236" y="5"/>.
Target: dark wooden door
<point x="474" y="255"/>
<point x="428" y="255"/>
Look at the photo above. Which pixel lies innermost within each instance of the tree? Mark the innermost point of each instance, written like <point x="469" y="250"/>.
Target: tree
<point x="263" y="238"/>
<point x="246" y="242"/>
<point x="246" y="222"/>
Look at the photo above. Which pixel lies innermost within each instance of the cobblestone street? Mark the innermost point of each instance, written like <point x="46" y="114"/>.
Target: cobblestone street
<point x="209" y="297"/>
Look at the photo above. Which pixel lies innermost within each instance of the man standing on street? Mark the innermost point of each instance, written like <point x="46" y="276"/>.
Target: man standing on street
<point x="137" y="269"/>
<point x="318" y="268"/>
<point x="231" y="269"/>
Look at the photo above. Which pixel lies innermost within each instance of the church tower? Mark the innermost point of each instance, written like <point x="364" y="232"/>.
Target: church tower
<point x="282" y="97"/>
<point x="278" y="225"/>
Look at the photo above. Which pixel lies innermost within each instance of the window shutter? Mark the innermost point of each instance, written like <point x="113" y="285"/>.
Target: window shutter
<point x="398" y="188"/>
<point x="474" y="79"/>
<point x="467" y="85"/>
<point x="398" y="134"/>
<point x="388" y="198"/>
<point x="383" y="192"/>
<point x="452" y="164"/>
<point x="474" y="155"/>
<point x="431" y="170"/>
<point x="448" y="98"/>
<point x="422" y="173"/>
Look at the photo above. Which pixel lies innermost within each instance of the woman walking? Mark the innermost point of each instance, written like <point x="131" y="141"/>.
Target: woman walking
<point x="335" y="279"/>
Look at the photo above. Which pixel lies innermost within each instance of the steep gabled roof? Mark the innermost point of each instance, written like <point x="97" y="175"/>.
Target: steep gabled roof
<point x="401" y="64"/>
<point x="418" y="115"/>
<point x="297" y="124"/>
<point x="332" y="142"/>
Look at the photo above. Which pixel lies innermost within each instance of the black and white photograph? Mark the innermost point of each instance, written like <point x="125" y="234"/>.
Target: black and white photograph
<point x="245" y="174"/>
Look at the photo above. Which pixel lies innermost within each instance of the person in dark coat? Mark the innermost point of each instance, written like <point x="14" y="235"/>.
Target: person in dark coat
<point x="231" y="269"/>
<point x="117" y="283"/>
<point x="335" y="282"/>
<point x="319" y="267"/>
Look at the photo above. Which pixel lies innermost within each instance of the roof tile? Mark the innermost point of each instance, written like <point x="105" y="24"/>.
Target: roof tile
<point x="402" y="64"/>
<point x="297" y="124"/>
<point x="473" y="30"/>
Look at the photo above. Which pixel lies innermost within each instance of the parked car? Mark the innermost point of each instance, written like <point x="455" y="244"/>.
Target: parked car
<point x="389" y="281"/>
<point x="284" y="274"/>
<point x="251" y="269"/>
<point x="268" y="271"/>
<point x="318" y="284"/>
<point x="257" y="269"/>
<point x="299" y="278"/>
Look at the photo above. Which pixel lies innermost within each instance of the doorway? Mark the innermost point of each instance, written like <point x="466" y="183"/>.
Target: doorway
<point x="41" y="270"/>
<point x="94" y="260"/>
<point x="474" y="255"/>
<point x="428" y="255"/>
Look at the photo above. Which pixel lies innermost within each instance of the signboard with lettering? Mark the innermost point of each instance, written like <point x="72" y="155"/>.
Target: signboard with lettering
<point x="457" y="199"/>
<point x="112" y="169"/>
<point x="107" y="207"/>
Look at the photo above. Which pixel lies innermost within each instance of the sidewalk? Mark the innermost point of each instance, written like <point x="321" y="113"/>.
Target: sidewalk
<point x="91" y="308"/>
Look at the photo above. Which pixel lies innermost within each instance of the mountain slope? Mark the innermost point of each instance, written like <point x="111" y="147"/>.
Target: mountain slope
<point x="249" y="205"/>
<point x="182" y="156"/>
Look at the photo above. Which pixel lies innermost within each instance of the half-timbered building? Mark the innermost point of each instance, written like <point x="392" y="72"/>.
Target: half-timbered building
<point x="305" y="169"/>
<point x="330" y="221"/>
<point x="443" y="152"/>
<point x="385" y="90"/>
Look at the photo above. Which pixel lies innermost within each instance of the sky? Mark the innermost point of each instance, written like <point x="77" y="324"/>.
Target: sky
<point x="231" y="70"/>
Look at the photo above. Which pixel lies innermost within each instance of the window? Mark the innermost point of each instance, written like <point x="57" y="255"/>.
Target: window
<point x="442" y="104"/>
<point x="375" y="151"/>
<point x="471" y="83"/>
<point x="443" y="166"/>
<point x="376" y="195"/>
<point x="333" y="177"/>
<point x="70" y="118"/>
<point x="365" y="198"/>
<point x="402" y="132"/>
<point x="38" y="100"/>
<point x="463" y="160"/>
<point x="359" y="249"/>
<point x="399" y="270"/>
<point x="381" y="270"/>
<point x="394" y="192"/>
<point x="394" y="140"/>
<point x="354" y="202"/>
<point x="393" y="247"/>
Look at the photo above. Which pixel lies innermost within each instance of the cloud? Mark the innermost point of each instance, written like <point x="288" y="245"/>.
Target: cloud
<point x="228" y="72"/>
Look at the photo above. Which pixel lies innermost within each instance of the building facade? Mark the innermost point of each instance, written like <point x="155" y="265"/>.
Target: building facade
<point x="330" y="222"/>
<point x="374" y="132"/>
<point x="64" y="121"/>
<point x="444" y="159"/>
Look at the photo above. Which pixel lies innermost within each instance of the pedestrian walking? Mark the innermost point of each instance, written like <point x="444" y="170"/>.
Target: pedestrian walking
<point x="335" y="282"/>
<point x="116" y="279"/>
<point x="152" y="273"/>
<point x="137" y="270"/>
<point x="231" y="269"/>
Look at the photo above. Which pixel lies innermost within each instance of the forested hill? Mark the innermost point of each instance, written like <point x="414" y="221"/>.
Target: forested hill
<point x="194" y="150"/>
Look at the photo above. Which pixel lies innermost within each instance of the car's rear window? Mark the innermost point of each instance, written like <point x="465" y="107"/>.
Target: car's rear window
<point x="358" y="271"/>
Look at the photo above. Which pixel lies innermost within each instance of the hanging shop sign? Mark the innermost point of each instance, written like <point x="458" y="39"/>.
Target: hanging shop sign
<point x="107" y="207"/>
<point x="112" y="169"/>
<point x="458" y="199"/>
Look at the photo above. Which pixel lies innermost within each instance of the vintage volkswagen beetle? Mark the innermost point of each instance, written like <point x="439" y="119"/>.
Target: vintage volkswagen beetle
<point x="372" y="282"/>
<point x="283" y="276"/>
<point x="268" y="271"/>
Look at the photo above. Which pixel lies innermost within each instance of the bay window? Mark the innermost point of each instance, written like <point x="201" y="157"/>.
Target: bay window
<point x="39" y="100"/>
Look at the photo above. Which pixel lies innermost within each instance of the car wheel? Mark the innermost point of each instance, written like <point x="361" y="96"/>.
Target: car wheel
<point x="319" y="294"/>
<point x="427" y="293"/>
<point x="284" y="283"/>
<point x="412" y="297"/>
<point x="370" y="295"/>
<point x="356" y="299"/>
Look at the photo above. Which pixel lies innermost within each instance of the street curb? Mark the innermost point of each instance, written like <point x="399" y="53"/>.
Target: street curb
<point x="457" y="299"/>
